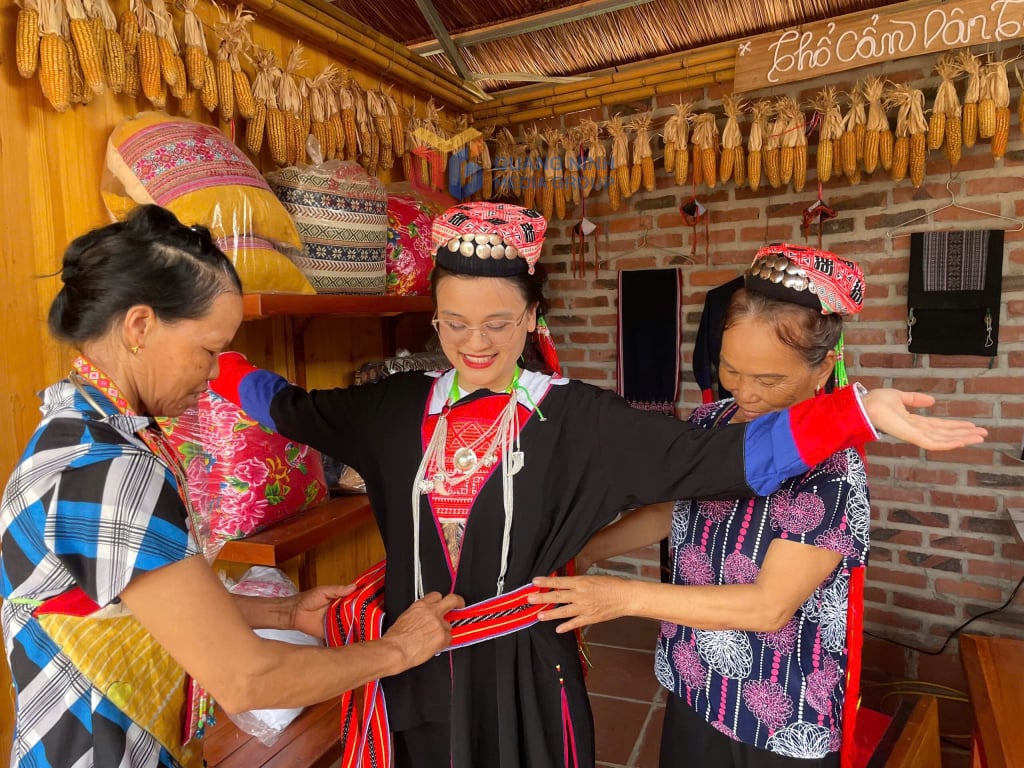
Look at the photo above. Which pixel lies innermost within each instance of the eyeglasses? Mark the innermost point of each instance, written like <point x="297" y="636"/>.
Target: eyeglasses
<point x="496" y="332"/>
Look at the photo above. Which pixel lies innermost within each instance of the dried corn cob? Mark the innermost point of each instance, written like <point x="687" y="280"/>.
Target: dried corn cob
<point x="85" y="47"/>
<point x="620" y="156"/>
<point x="760" y="111"/>
<point x="115" y="58"/>
<point x="196" y="52"/>
<point x="149" y="59"/>
<point x="886" y="142"/>
<point x="731" y="137"/>
<point x="873" y="87"/>
<point x="27" y="41"/>
<point x="225" y="84"/>
<point x="791" y="122"/>
<point x="128" y="26"/>
<point x="131" y="76"/>
<point x="255" y="127"/>
<point x="80" y="94"/>
<point x="684" y="113"/>
<point x="54" y="66"/>
<point x="771" y="152"/>
<point x="705" y="138"/>
<point x="277" y="135"/>
<point x="643" y="157"/>
<point x="171" y="66"/>
<point x="969" y="63"/>
<point x="999" y="88"/>
<point x="986" y="104"/>
<point x="614" y="197"/>
<point x="209" y="96"/>
<point x="826" y="103"/>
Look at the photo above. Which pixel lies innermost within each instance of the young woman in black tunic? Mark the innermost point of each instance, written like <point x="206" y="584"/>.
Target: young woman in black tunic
<point x="489" y="474"/>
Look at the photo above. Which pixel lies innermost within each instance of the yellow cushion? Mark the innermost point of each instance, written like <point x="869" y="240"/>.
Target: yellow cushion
<point x="194" y="171"/>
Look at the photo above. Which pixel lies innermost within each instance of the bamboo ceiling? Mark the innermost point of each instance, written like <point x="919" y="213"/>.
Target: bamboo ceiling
<point x="609" y="39"/>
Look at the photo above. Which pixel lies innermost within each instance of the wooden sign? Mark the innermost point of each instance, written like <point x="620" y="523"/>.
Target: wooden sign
<point x="861" y="39"/>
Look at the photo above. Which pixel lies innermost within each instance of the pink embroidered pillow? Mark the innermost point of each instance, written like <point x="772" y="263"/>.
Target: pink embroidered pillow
<point x="242" y="477"/>
<point x="409" y="252"/>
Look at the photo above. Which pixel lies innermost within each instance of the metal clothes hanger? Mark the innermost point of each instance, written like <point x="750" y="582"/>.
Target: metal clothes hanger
<point x="953" y="204"/>
<point x="643" y="245"/>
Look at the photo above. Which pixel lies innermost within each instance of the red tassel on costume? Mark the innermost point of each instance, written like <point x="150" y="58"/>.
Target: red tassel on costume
<point x="547" y="347"/>
<point x="854" y="643"/>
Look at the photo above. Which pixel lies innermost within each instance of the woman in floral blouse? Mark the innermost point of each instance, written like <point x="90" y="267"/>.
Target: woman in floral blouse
<point x="753" y="646"/>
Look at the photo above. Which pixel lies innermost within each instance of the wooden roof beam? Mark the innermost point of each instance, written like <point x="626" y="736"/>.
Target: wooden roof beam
<point x="525" y="25"/>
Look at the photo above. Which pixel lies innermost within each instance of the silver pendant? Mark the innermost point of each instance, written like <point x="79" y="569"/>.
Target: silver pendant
<point x="426" y="486"/>
<point x="516" y="460"/>
<point x="465" y="459"/>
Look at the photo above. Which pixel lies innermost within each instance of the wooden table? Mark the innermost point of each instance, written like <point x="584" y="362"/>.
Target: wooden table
<point x="995" y="678"/>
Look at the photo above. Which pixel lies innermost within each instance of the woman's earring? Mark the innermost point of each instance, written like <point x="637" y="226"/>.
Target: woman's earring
<point x="817" y="390"/>
<point x="135" y="349"/>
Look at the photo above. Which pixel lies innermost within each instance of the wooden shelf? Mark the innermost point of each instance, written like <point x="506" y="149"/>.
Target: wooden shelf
<point x="262" y="305"/>
<point x="300" y="534"/>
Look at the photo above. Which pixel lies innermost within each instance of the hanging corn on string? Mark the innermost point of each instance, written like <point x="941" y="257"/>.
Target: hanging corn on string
<point x="289" y="98"/>
<point x="54" y="66"/>
<point x="731" y="138"/>
<point x="196" y="51"/>
<point x="378" y="110"/>
<point x="918" y="137"/>
<point x="153" y="86"/>
<point x="487" y="187"/>
<point x="305" y="112"/>
<point x="520" y="153"/>
<point x="335" y="129"/>
<point x="705" y="144"/>
<point x="172" y="68"/>
<point x="551" y="164"/>
<point x="26" y="47"/>
<point x="643" y="156"/>
<point x="128" y="27"/>
<point x="898" y="96"/>
<point x="268" y="120"/>
<point x="946" y="68"/>
<point x="222" y="70"/>
<point x="598" y="152"/>
<point x="620" y="157"/>
<point x="772" y="147"/>
<point x="986" y="103"/>
<point x="851" y="143"/>
<point x="1000" y="88"/>
<point x="760" y="111"/>
<point x="787" y="111"/>
<point x="830" y="129"/>
<point x="504" y="153"/>
<point x="347" y="108"/>
<point x="797" y="134"/>
<point x="586" y="159"/>
<point x="85" y="46"/>
<point x="972" y="67"/>
<point x="684" y="113"/>
<point x="369" y="143"/>
<point x="80" y="94"/>
<point x="318" y="119"/>
<point x="438" y="155"/>
<point x="571" y="142"/>
<point x="105" y="25"/>
<point x="240" y="33"/>
<point x="668" y="140"/>
<point x="394" y="110"/>
<point x="873" y="87"/>
<point x="531" y="158"/>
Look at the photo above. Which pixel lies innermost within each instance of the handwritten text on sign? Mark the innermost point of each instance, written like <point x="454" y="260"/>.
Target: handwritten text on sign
<point x="861" y="39"/>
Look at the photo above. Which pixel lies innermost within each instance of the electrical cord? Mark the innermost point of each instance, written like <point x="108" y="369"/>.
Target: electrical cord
<point x="955" y="631"/>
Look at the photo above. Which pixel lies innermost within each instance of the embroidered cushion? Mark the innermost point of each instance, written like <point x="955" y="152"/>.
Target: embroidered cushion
<point x="341" y="214"/>
<point x="242" y="477"/>
<point x="409" y="251"/>
<point x="197" y="173"/>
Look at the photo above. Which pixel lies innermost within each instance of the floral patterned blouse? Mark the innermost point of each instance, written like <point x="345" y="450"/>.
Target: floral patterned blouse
<point x="781" y="691"/>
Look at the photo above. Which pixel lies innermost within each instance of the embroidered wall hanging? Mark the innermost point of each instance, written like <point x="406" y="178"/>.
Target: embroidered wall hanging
<point x="954" y="292"/>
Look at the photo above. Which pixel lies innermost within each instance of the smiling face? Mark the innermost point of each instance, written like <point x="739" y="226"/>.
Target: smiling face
<point x="478" y="302"/>
<point x="177" y="359"/>
<point x="763" y="373"/>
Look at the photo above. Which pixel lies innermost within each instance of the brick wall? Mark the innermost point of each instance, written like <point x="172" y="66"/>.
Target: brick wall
<point x="943" y="548"/>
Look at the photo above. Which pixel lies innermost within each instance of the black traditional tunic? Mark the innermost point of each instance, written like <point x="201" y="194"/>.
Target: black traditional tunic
<point x="590" y="457"/>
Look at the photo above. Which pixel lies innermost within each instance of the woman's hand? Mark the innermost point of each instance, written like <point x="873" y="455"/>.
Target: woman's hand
<point x="309" y="608"/>
<point x="887" y="410"/>
<point x="584" y="600"/>
<point x="422" y="631"/>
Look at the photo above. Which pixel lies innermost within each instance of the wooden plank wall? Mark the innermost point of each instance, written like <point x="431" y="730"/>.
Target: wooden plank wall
<point x="50" y="173"/>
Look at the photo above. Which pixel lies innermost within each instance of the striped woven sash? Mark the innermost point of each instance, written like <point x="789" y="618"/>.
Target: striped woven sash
<point x="359" y="617"/>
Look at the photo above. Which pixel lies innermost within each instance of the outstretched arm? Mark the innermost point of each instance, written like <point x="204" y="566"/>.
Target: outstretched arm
<point x="888" y="411"/>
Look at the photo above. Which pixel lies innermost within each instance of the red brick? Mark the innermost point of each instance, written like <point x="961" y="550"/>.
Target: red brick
<point x="929" y="476"/>
<point x="663" y="240"/>
<point x="771" y="233"/>
<point x="890" y="618"/>
<point x="636" y="262"/>
<point x="876" y="595"/>
<point x="923" y="605"/>
<point x="857" y="336"/>
<point x="964" y="409"/>
<point x="889" y="449"/>
<point x="943" y="385"/>
<point x="995" y="184"/>
<point x="974" y="502"/>
<point x="1004" y="570"/>
<point x="584" y="302"/>
<point x="895" y="493"/>
<point x="885" y="360"/>
<point x="705" y="277"/>
<point x="962" y="361"/>
<point x="968" y="588"/>
<point x="969" y="455"/>
<point x="885" y="313"/>
<point x="963" y="544"/>
<point x="1014" y="308"/>
<point x="589" y="338"/>
<point x="906" y="578"/>
<point x="895" y="536"/>
<point x="735" y="213"/>
<point x="996" y="385"/>
<point x="1015" y="359"/>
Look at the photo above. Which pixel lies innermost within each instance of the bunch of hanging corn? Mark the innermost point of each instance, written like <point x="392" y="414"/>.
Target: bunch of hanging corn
<point x="945" y="104"/>
<point x="268" y="120"/>
<point x="335" y="129"/>
<point x="571" y="173"/>
<point x="705" y="138"/>
<point x="877" y="125"/>
<point x="918" y="132"/>
<point x="911" y="130"/>
<point x="771" y="151"/>
<point x="90" y="59"/>
<point x="438" y="162"/>
<point x="151" y="81"/>
<point x="487" y="188"/>
<point x="54" y="63"/>
<point x="381" y="126"/>
<point x="504" y="153"/>
<point x="851" y="142"/>
<point x="587" y="161"/>
<point x="369" y="143"/>
<point x="643" y="156"/>
<point x="347" y="108"/>
<point x="394" y="110"/>
<point x="732" y="142"/>
<point x="104" y="24"/>
<point x="794" y="144"/>
<point x="970" y="64"/>
<point x="1000" y="89"/>
<point x="760" y="114"/>
<point x="172" y="67"/>
<point x="830" y="129"/>
<point x="669" y="135"/>
<point x="531" y="166"/>
<point x="26" y="45"/>
<point x="596" y="164"/>
<point x="289" y="99"/>
<point x="321" y="132"/>
<point x="684" y="116"/>
<point x="621" y="172"/>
